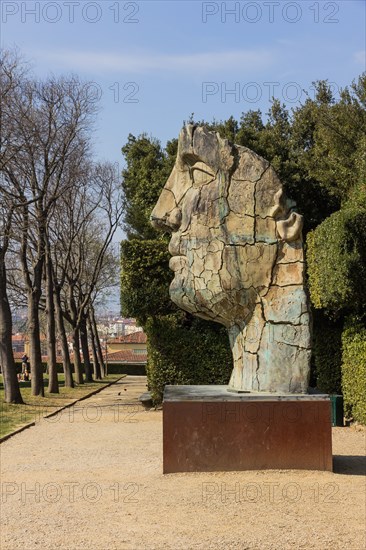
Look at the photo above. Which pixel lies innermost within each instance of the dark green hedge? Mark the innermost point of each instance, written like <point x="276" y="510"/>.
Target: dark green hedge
<point x="336" y="258"/>
<point x="186" y="350"/>
<point x="181" y="349"/>
<point x="18" y="366"/>
<point x="114" y="368"/>
<point x="327" y="353"/>
<point x="145" y="279"/>
<point x="123" y="368"/>
<point x="354" y="370"/>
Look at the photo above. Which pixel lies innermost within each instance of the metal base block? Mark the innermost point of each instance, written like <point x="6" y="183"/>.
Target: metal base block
<point x="207" y="428"/>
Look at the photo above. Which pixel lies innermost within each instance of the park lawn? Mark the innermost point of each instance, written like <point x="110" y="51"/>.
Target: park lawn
<point x="34" y="408"/>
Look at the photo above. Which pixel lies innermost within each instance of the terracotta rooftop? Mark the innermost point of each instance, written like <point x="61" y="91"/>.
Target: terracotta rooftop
<point x="18" y="337"/>
<point x="134" y="338"/>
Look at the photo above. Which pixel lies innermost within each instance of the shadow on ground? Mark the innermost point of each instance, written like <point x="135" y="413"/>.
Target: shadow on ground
<point x="349" y="465"/>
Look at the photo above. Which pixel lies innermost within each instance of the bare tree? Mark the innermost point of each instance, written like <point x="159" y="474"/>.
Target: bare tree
<point x="94" y="232"/>
<point x="96" y="365"/>
<point x="51" y="324"/>
<point x="97" y="343"/>
<point x="72" y="213"/>
<point x="63" y="230"/>
<point x="11" y="385"/>
<point x="60" y="213"/>
<point x="11" y="73"/>
<point x="53" y="121"/>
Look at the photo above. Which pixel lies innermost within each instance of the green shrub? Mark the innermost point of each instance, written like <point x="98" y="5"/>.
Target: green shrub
<point x="186" y="350"/>
<point x="125" y="368"/>
<point x="145" y="279"/>
<point x="336" y="258"/>
<point x="354" y="370"/>
<point x="181" y="349"/>
<point x="327" y="353"/>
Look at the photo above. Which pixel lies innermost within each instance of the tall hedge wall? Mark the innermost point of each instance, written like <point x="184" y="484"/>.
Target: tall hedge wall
<point x="186" y="350"/>
<point x="327" y="353"/>
<point x="354" y="370"/>
<point x="145" y="279"/>
<point x="181" y="349"/>
<point x="336" y="258"/>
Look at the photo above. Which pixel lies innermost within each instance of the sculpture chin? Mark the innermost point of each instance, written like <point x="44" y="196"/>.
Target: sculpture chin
<point x="181" y="293"/>
<point x="177" y="263"/>
<point x="211" y="306"/>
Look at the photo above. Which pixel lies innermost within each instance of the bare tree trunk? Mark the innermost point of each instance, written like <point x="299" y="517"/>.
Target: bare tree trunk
<point x="85" y="349"/>
<point x="77" y="359"/>
<point x="96" y="365"/>
<point x="97" y="343"/>
<point x="35" y="344"/>
<point x="34" y="293"/>
<point x="11" y="385"/>
<point x="51" y="329"/>
<point x="66" y="362"/>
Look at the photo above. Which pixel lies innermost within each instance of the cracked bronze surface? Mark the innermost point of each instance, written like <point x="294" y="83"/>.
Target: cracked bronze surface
<point x="237" y="257"/>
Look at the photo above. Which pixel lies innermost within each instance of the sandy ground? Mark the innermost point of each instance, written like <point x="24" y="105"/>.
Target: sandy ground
<point x="91" y="477"/>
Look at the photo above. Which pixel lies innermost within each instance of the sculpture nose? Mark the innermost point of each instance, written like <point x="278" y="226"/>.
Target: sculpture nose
<point x="175" y="219"/>
<point x="170" y="221"/>
<point x="157" y="223"/>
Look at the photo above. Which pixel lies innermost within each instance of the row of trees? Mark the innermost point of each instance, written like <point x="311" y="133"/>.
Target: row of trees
<point x="59" y="213"/>
<point x="318" y="150"/>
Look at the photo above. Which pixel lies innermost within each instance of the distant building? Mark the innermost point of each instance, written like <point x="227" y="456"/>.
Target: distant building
<point x="135" y="341"/>
<point x="128" y="346"/>
<point x="118" y="326"/>
<point x="130" y="349"/>
<point x="18" y="343"/>
<point x="44" y="349"/>
<point x="130" y="329"/>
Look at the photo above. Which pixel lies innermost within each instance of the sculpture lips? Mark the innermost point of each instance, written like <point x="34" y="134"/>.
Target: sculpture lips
<point x="177" y="263"/>
<point x="174" y="245"/>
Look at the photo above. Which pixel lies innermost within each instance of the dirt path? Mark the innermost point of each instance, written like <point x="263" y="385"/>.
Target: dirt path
<point x="92" y="478"/>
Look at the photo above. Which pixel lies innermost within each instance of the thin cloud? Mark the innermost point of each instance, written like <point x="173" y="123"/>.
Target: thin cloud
<point x="360" y="57"/>
<point x="140" y="63"/>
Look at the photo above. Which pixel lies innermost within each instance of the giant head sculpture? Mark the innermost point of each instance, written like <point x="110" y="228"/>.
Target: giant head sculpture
<point x="237" y="258"/>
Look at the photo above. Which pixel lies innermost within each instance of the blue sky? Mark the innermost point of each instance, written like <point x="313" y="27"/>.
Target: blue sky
<point x="154" y="63"/>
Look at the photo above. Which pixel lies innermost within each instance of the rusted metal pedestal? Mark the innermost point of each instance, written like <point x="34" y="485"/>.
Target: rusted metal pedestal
<point x="208" y="428"/>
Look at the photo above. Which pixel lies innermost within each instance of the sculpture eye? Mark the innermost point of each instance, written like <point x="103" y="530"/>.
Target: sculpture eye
<point x="201" y="174"/>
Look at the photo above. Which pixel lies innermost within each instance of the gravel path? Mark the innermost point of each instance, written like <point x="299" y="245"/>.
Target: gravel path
<point x="91" y="477"/>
